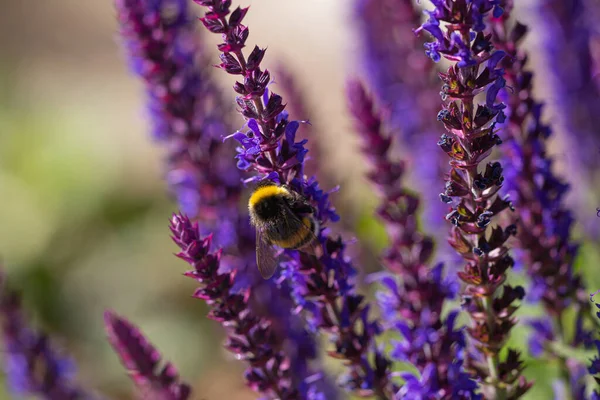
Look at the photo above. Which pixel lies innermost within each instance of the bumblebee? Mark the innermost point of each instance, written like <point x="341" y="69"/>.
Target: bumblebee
<point x="284" y="218"/>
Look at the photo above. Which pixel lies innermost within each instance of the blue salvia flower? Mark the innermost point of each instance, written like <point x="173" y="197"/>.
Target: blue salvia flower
<point x="414" y="296"/>
<point x="405" y="82"/>
<point x="268" y="147"/>
<point x="143" y="361"/>
<point x="32" y="366"/>
<point x="189" y="117"/>
<point x="470" y="138"/>
<point x="544" y="228"/>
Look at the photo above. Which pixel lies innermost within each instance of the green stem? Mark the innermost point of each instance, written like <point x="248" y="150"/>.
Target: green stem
<point x="493" y="361"/>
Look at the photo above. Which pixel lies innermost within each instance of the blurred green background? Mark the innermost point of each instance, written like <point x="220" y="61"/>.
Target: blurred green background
<point x="84" y="215"/>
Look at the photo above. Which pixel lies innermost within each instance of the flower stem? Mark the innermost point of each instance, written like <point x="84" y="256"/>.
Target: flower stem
<point x="493" y="360"/>
<point x="562" y="360"/>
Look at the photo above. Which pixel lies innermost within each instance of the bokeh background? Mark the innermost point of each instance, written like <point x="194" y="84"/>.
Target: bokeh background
<point x="84" y="207"/>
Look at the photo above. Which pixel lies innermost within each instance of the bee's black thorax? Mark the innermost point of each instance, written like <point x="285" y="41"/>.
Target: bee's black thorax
<point x="269" y="208"/>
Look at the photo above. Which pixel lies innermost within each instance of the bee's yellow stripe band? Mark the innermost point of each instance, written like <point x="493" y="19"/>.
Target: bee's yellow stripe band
<point x="297" y="238"/>
<point x="264" y="192"/>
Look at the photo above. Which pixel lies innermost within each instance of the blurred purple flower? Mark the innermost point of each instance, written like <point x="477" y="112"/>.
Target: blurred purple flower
<point x="573" y="385"/>
<point x="566" y="28"/>
<point x="405" y="82"/>
<point x="544" y="228"/>
<point x="402" y="78"/>
<point x="142" y="360"/>
<point x="32" y="366"/>
<point x="544" y="333"/>
<point x="186" y="108"/>
<point x="566" y="36"/>
<point x="414" y="296"/>
<point x="473" y="192"/>
<point x="268" y="146"/>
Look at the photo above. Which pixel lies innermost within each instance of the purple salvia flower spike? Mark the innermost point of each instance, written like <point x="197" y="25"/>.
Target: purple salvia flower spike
<point x="470" y="138"/>
<point x="143" y="361"/>
<point x="252" y="338"/>
<point x="322" y="286"/>
<point x="404" y="80"/>
<point x="415" y="297"/>
<point x="190" y="113"/>
<point x="31" y="365"/>
<point x="566" y="28"/>
<point x="544" y="228"/>
<point x="185" y="106"/>
<point x="396" y="68"/>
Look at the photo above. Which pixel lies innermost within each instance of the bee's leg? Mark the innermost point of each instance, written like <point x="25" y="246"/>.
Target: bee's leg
<point x="313" y="248"/>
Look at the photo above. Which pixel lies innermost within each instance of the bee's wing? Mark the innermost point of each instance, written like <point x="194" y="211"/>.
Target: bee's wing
<point x="265" y="256"/>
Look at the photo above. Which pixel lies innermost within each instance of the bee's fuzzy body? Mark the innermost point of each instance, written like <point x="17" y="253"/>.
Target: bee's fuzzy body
<point x="269" y="207"/>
